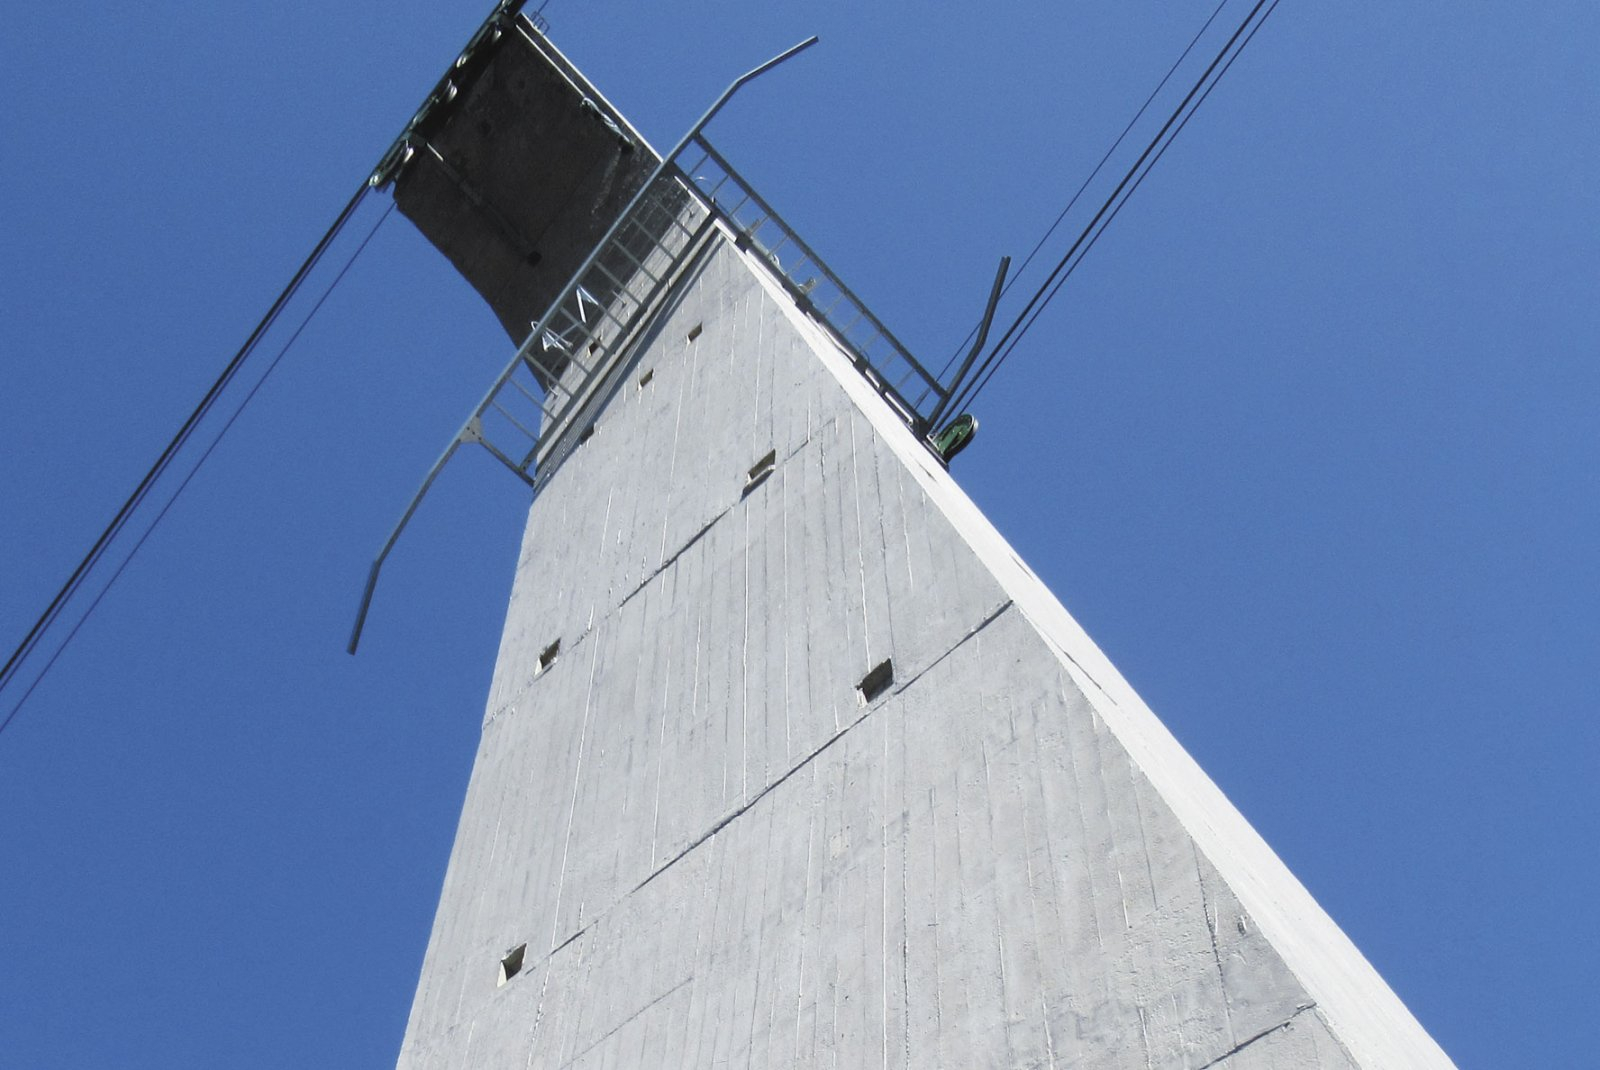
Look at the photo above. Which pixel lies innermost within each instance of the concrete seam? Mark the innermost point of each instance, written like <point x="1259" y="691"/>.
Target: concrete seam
<point x="829" y="742"/>
<point x="1076" y="664"/>
<point x="1237" y="1048"/>
<point x="696" y="537"/>
<point x="577" y="775"/>
<point x="622" y="1024"/>
<point x="510" y="703"/>
<point x="1211" y="927"/>
<point x="990" y="618"/>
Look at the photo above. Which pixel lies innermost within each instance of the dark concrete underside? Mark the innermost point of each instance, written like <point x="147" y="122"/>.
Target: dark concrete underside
<point x="521" y="175"/>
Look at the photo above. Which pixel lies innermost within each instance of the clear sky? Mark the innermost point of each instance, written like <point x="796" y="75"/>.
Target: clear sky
<point x="1309" y="445"/>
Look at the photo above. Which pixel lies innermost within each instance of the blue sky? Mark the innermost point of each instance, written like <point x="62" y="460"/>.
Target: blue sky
<point x="1309" y="445"/>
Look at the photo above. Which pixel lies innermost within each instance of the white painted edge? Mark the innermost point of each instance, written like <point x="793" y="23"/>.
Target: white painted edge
<point x="1358" y="1005"/>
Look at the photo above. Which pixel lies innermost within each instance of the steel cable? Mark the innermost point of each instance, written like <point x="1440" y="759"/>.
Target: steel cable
<point x="978" y="388"/>
<point x="1134" y="177"/>
<point x="1072" y="202"/>
<point x="57" y="604"/>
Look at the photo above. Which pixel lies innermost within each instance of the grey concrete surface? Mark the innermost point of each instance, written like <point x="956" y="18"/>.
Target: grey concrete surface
<point x="717" y="854"/>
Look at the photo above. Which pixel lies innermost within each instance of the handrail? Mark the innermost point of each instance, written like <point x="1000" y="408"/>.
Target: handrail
<point x="469" y="431"/>
<point x="888" y="380"/>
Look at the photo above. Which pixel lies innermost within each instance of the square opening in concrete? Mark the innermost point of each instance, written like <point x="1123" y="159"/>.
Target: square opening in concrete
<point x="877" y="681"/>
<point x="511" y="964"/>
<point x="548" y="657"/>
<point x="760" y="471"/>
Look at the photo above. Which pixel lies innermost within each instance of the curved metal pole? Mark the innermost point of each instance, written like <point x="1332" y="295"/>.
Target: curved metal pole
<point x="683" y="142"/>
<point x="727" y="93"/>
<point x="394" y="536"/>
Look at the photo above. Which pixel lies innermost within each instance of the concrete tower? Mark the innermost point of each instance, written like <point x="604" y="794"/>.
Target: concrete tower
<point x="789" y="760"/>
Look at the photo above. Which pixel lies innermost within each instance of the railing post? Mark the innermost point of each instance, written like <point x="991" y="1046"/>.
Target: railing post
<point x="983" y="336"/>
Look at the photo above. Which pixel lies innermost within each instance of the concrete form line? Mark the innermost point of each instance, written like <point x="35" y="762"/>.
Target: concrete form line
<point x="577" y="780"/>
<point x="994" y="615"/>
<point x="1076" y="664"/>
<point x="831" y="740"/>
<point x="567" y="941"/>
<point x="511" y="703"/>
<point x="739" y="811"/>
<point x="1211" y="927"/>
<point x="696" y="537"/>
<point x="1237" y="1048"/>
<point x="620" y="1025"/>
<point x="669" y="562"/>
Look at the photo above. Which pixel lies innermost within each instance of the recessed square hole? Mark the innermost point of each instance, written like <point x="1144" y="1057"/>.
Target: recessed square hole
<point x="588" y="433"/>
<point x="694" y="332"/>
<point x="877" y="681"/>
<point x="760" y="471"/>
<point x="644" y="380"/>
<point x="548" y="658"/>
<point x="511" y="964"/>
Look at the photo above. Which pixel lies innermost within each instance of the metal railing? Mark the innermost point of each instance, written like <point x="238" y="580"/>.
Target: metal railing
<point x="536" y="412"/>
<point x="574" y="299"/>
<point x="886" y="363"/>
<point x="532" y="414"/>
